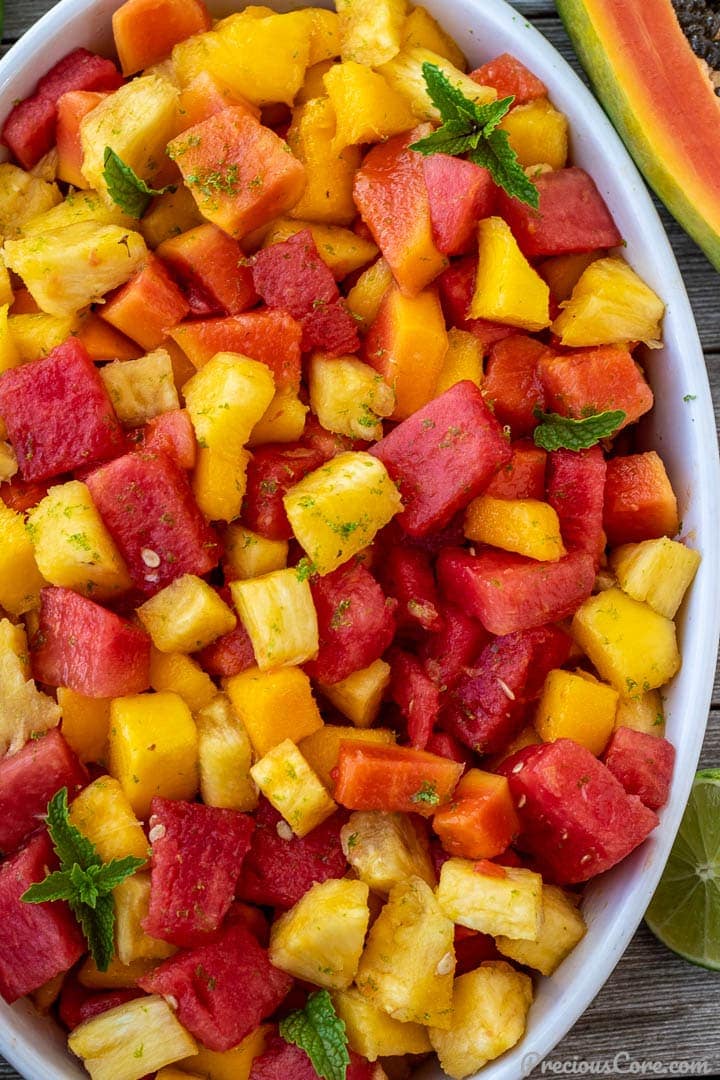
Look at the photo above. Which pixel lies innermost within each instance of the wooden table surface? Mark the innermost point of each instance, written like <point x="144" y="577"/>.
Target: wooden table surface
<point x="655" y="1008"/>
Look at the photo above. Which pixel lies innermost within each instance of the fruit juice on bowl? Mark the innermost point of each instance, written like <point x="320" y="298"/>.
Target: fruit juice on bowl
<point x="681" y="433"/>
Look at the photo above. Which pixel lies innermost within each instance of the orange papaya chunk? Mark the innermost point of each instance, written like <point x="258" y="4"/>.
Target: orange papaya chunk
<point x="145" y="31"/>
<point x="640" y="503"/>
<point x="204" y="96"/>
<point x="148" y="306"/>
<point x="71" y="108"/>
<point x="104" y="342"/>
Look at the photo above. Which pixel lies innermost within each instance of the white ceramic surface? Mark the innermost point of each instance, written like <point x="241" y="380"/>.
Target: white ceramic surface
<point x="682" y="432"/>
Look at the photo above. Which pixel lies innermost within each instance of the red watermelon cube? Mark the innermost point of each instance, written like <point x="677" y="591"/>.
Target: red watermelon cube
<point x="228" y="655"/>
<point x="642" y="763"/>
<point x="576" y="818"/>
<point x="416" y="695"/>
<point x="408" y="578"/>
<point x="292" y="277"/>
<point x="510" y="77"/>
<point x="148" y="507"/>
<point x="38" y="941"/>
<point x="172" y="433"/>
<point x="197" y="852"/>
<point x="451" y="648"/>
<point x="594" y="380"/>
<point x="640" y="503"/>
<point x="211" y="268"/>
<point x="511" y="385"/>
<point x="281" y="1060"/>
<point x="508" y="592"/>
<point x="576" y="490"/>
<point x="442" y="456"/>
<point x="28" y="781"/>
<point x="84" y="646"/>
<point x="272" y="471"/>
<point x="330" y="328"/>
<point x="524" y="475"/>
<point x="58" y="414"/>
<point x="223" y="990"/>
<point x="77" y="1003"/>
<point x="460" y="194"/>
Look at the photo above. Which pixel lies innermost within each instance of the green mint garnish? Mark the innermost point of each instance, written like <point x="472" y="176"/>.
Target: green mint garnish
<point x="471" y="130"/>
<point x="426" y="794"/>
<point x="318" y="1030"/>
<point x="126" y="189"/>
<point x="556" y="432"/>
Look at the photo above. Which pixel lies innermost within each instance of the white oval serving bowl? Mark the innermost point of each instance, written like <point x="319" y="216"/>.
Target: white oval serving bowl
<point x="682" y="432"/>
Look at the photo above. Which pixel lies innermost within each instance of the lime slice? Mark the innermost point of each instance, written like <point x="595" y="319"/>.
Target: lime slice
<point x="684" y="913"/>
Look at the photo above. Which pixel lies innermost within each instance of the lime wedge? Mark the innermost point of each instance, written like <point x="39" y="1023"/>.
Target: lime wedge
<point x="684" y="913"/>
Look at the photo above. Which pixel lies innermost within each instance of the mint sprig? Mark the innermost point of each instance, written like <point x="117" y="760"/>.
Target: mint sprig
<point x="318" y="1030"/>
<point x="555" y="432"/>
<point x="471" y="130"/>
<point x="83" y="880"/>
<point x="126" y="189"/>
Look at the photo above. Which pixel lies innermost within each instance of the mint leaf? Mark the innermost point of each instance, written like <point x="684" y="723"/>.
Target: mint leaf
<point x="126" y="189"/>
<point x="563" y="433"/>
<point x="471" y="129"/>
<point x="114" y="873"/>
<point x="69" y="843"/>
<point x="55" y="886"/>
<point x="98" y="926"/>
<point x="427" y="793"/>
<point x="319" y="1031"/>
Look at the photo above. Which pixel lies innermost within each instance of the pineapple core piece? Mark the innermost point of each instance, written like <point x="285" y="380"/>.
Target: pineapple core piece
<point x="278" y="612"/>
<point x="186" y="616"/>
<point x="287" y="781"/>
<point x="609" y="305"/>
<point x="141" y="389"/>
<point x="503" y="901"/>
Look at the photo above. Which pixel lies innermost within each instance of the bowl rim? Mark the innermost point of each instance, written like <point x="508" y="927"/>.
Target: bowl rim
<point x="19" y="66"/>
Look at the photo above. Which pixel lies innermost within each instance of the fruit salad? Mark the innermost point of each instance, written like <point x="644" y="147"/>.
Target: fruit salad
<point x="337" y="593"/>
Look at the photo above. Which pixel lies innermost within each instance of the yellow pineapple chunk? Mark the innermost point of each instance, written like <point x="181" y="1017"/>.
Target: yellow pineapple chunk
<point x="234" y="1064"/>
<point x="103" y="813"/>
<point x="609" y="305"/>
<point x="631" y="646"/>
<point x="24" y="709"/>
<point x="409" y="960"/>
<point x="46" y="995"/>
<point x="287" y="781"/>
<point x="225" y="755"/>
<point x="78" y="206"/>
<point x="342" y="250"/>
<point x="574" y="707"/>
<point x="328" y="194"/>
<point x="656" y="571"/>
<point x="141" y="389"/>
<point x="169" y="215"/>
<point x="131" y="1040"/>
<point x="349" y="397"/>
<point x="73" y="548"/>
<point x="385" y="849"/>
<point x="365" y="297"/>
<point x="85" y="723"/>
<point x="370" y="34"/>
<point x="67" y="269"/>
<point x="249" y="555"/>
<point x="562" y="927"/>
<point x="137" y="122"/>
<point x="35" y="336"/>
<point x="463" y="360"/>
<point x="490" y="1007"/>
<point x="321" y="938"/>
<point x="507" y="288"/>
<point x="313" y="86"/>
<point x="274" y="705"/>
<point x="9" y="351"/>
<point x="538" y="134"/>
<point x="508" y="903"/>
<point x="372" y="1033"/>
<point x="278" y="612"/>
<point x="282" y="421"/>
<point x="421" y="31"/>
<point x="22" y="197"/>
<point x="153" y="748"/>
<point x="336" y="510"/>
<point x="20" y="578"/>
<point x="366" y="107"/>
<point x="186" y="616"/>
<point x="527" y="526"/>
<point x="131" y="899"/>
<point x="641" y="712"/>
<point x="6" y="289"/>
<point x="182" y="675"/>
<point x="404" y="73"/>
<point x="117" y="976"/>
<point x="226" y="398"/>
<point x="322" y="749"/>
<point x="359" y="696"/>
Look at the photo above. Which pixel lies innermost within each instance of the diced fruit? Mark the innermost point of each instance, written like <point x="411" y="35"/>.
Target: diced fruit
<point x="148" y="306"/>
<point x="91" y="650"/>
<point x="640" y="503"/>
<point x="290" y="275"/>
<point x="576" y="819"/>
<point x="405" y="75"/>
<point x="508" y="592"/>
<point x="282" y="1059"/>
<point x="219" y="482"/>
<point x="272" y="472"/>
<point x="147" y="505"/>
<point x="197" y="853"/>
<point x="274" y="706"/>
<point x="40" y="940"/>
<point x="480" y="822"/>
<point x="29" y="779"/>
<point x="386" y="849"/>
<point x="561" y="928"/>
<point x="453" y="646"/>
<point x="328" y="175"/>
<point x="349" y="397"/>
<point x="22" y="198"/>
<point x="223" y="990"/>
<point x="141" y="389"/>
<point x="282" y="422"/>
<point x="186" y="616"/>
<point x="58" y="413"/>
<point x="321" y="938"/>
<point x="182" y="675"/>
<point x="145" y="31"/>
<point x="281" y="867"/>
<point x="20" y="576"/>
<point x="641" y="712"/>
<point x="507" y="289"/>
<point x="407" y="343"/>
<point x="287" y="781"/>
<point x="234" y="1064"/>
<point x="85" y="723"/>
<point x="77" y="1003"/>
<point x="366" y="108"/>
<point x="489" y="1011"/>
<point x="574" y="707"/>
<point x="124" y="1042"/>
<point x="371" y="1032"/>
<point x="271" y="337"/>
<point x="420" y="30"/>
<point x="392" y="197"/>
<point x="225" y="756"/>
<point x="657" y="571"/>
<point x="507" y="75"/>
<point x="117" y="976"/>
<point x="72" y="107"/>
<point x="490" y="898"/>
<point x="24" y="710"/>
<point x="527" y="526"/>
<point x="366" y="295"/>
<point x="229" y="655"/>
<point x="210" y="268"/>
<point x="460" y="194"/>
<point x="595" y="380"/>
<point x="442" y="456"/>
<point x="77" y="206"/>
<point x="370" y="36"/>
<point x="610" y="304"/>
<point x="343" y="250"/>
<point x="524" y="475"/>
<point x="416" y="696"/>
<point x="72" y="546"/>
<point x="103" y="814"/>
<point x="408" y="963"/>
<point x="512" y="386"/>
<point x="538" y="134"/>
<point x="131" y="899"/>
<point x="630" y="644"/>
<point x="408" y="577"/>
<point x="359" y="696"/>
<point x="153" y="748"/>
<point x="394" y="779"/>
<point x="34" y="336"/>
<point x="576" y="490"/>
<point x="463" y="360"/>
<point x="250" y="555"/>
<point x="643" y="764"/>
<point x="322" y="749"/>
<point x="169" y="215"/>
<point x="238" y="171"/>
<point x="278" y="613"/>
